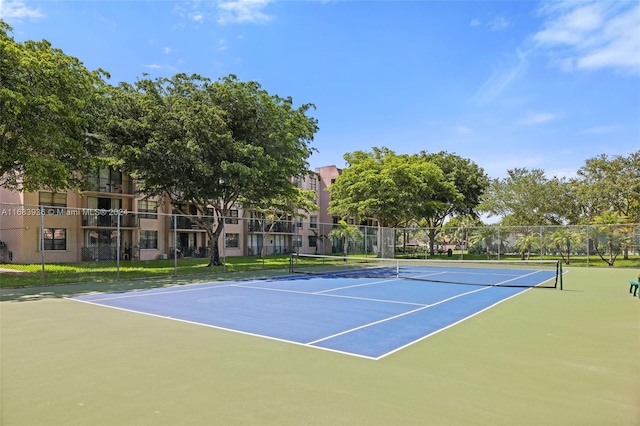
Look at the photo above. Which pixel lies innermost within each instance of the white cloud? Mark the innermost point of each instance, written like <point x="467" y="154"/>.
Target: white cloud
<point x="18" y="10"/>
<point x="474" y="22"/>
<point x="223" y="11"/>
<point x="591" y="35"/>
<point x="501" y="78"/>
<point x="168" y="50"/>
<point x="534" y="118"/>
<point x="243" y="11"/>
<point x="498" y="23"/>
<point x="153" y="66"/>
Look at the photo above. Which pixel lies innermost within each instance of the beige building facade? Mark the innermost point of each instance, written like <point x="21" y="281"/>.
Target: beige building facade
<point x="110" y="221"/>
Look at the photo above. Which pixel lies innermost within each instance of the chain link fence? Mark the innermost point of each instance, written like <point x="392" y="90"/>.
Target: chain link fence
<point x="42" y="245"/>
<point x="582" y="245"/>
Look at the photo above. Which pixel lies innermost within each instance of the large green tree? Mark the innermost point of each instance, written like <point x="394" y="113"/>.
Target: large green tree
<point x="528" y="197"/>
<point x="610" y="183"/>
<point x="457" y="195"/>
<point x="50" y="108"/>
<point x="211" y="144"/>
<point x="386" y="186"/>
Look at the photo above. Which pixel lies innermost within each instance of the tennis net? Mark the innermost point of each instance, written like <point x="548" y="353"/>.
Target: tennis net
<point x="504" y="273"/>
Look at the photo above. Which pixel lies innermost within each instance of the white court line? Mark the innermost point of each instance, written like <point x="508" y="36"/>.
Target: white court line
<point x="356" y="285"/>
<point x="450" y="325"/>
<point x="491" y="274"/>
<point x="332" y="295"/>
<point x="221" y="328"/>
<point x="147" y="292"/>
<point x="524" y="290"/>
<point x="308" y="345"/>
<point x="398" y="316"/>
<point x="417" y="310"/>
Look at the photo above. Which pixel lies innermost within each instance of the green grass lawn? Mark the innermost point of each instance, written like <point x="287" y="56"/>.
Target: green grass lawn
<point x="63" y="273"/>
<point x="545" y="357"/>
<point x="17" y="275"/>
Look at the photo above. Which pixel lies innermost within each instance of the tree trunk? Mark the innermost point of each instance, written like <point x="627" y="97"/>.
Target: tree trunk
<point x="432" y="240"/>
<point x="559" y="247"/>
<point x="214" y="236"/>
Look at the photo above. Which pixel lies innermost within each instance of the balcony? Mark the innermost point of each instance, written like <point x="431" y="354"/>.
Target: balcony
<point x="108" y="220"/>
<point x="185" y="222"/>
<point x="109" y="186"/>
<point x="278" y="227"/>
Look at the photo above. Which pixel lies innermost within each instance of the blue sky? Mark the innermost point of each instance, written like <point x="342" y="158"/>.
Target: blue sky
<point x="507" y="84"/>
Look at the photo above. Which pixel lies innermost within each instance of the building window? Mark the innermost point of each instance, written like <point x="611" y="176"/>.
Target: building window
<point x="297" y="240"/>
<point x="313" y="241"/>
<point x="147" y="209"/>
<point x="53" y="200"/>
<point x="298" y="222"/>
<point x="148" y="239"/>
<point x="313" y="222"/>
<point x="232" y="240"/>
<point x="232" y="218"/>
<point x="313" y="184"/>
<point x="106" y="179"/>
<point x="55" y="238"/>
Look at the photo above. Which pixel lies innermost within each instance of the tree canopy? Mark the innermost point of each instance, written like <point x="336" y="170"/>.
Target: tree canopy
<point x="611" y="183"/>
<point x="469" y="180"/>
<point x="50" y="107"/>
<point x="214" y="145"/>
<point x="401" y="189"/>
<point x="528" y="197"/>
<point x="386" y="186"/>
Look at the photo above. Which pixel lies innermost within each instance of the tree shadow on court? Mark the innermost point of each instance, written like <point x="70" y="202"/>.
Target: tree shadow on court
<point x="58" y="291"/>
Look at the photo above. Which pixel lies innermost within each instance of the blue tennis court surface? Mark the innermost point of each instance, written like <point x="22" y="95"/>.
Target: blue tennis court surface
<point x="369" y="318"/>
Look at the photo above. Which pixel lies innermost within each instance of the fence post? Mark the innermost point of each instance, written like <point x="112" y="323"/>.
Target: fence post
<point x="224" y="245"/>
<point x="541" y="242"/>
<point x="175" y="244"/>
<point x="42" y="242"/>
<point x="118" y="247"/>
<point x="587" y="240"/>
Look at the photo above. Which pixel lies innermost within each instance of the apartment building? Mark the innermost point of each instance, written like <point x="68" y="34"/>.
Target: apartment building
<point x="111" y="221"/>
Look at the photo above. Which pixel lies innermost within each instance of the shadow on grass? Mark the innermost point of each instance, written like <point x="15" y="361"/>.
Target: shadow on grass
<point x="28" y="294"/>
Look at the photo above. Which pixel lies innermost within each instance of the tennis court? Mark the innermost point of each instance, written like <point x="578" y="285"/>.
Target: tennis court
<point x="545" y="357"/>
<point x="363" y="307"/>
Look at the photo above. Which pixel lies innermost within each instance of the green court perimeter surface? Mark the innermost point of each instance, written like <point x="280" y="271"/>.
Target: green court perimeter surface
<point x="545" y="357"/>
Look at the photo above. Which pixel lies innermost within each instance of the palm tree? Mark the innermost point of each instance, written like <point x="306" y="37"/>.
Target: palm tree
<point x="346" y="233"/>
<point x="483" y="234"/>
<point x="563" y="238"/>
<point x="526" y="242"/>
<point x="319" y="238"/>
